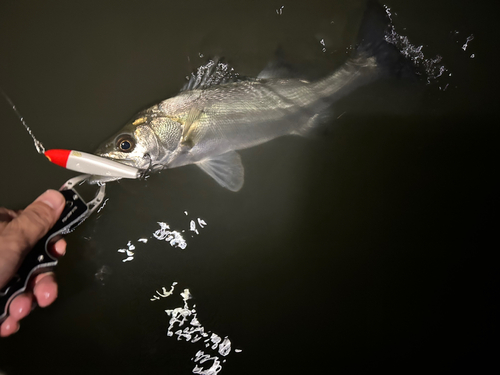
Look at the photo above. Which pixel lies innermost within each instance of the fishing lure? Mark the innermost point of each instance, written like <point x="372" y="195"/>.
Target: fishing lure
<point x="91" y="164"/>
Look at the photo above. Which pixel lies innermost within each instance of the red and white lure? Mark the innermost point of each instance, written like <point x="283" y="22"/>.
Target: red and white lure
<point x="91" y="164"/>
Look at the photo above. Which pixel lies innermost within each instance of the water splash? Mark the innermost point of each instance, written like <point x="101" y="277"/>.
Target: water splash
<point x="431" y="66"/>
<point x="38" y="145"/>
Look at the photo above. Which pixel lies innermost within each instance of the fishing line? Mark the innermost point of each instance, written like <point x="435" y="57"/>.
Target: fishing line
<point x="38" y="145"/>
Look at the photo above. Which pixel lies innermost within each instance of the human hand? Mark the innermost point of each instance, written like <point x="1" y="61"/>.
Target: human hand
<point x="19" y="232"/>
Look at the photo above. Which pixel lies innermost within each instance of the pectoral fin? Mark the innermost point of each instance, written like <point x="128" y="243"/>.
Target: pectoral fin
<point x="226" y="169"/>
<point x="188" y="134"/>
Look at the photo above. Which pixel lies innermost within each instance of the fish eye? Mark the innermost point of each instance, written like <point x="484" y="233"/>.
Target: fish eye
<point x="125" y="143"/>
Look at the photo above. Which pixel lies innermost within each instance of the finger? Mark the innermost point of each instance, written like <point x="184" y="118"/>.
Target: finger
<point x="22" y="233"/>
<point x="21" y="306"/>
<point x="3" y="224"/>
<point x="58" y="249"/>
<point x="9" y="326"/>
<point x="45" y="289"/>
<point x="6" y="214"/>
<point x="6" y="217"/>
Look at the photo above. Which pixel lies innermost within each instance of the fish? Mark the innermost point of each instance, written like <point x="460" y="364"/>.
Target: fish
<point x="219" y="112"/>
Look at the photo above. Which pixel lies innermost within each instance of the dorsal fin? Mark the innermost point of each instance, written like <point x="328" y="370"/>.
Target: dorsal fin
<point x="214" y="72"/>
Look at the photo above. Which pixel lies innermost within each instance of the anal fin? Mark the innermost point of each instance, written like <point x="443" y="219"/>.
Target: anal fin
<point x="226" y="169"/>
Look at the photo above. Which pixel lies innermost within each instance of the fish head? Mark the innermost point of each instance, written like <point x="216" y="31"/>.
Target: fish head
<point x="134" y="145"/>
<point x="149" y="140"/>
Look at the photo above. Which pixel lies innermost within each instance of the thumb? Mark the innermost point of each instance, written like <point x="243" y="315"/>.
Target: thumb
<point x="34" y="222"/>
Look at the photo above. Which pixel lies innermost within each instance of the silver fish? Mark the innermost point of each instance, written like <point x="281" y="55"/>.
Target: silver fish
<point x="218" y="113"/>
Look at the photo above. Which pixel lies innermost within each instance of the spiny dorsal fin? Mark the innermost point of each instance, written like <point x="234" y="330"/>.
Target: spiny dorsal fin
<point x="226" y="169"/>
<point x="214" y="72"/>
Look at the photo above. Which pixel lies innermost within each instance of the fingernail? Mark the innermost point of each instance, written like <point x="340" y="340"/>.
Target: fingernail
<point x="51" y="198"/>
<point x="60" y="247"/>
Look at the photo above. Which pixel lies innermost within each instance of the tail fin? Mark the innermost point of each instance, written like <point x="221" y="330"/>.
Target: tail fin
<point x="372" y="41"/>
<point x="374" y="58"/>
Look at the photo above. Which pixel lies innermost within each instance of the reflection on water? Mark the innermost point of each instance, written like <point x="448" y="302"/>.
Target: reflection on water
<point x="470" y="38"/>
<point x="185" y="325"/>
<point x="173" y="237"/>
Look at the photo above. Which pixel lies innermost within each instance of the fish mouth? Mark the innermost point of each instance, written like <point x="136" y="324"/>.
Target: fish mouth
<point x="144" y="172"/>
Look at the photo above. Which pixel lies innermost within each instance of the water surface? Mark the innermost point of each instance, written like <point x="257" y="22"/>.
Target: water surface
<point x="362" y="249"/>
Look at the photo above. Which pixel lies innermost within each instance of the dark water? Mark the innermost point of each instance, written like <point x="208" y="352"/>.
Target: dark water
<point x="368" y="248"/>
